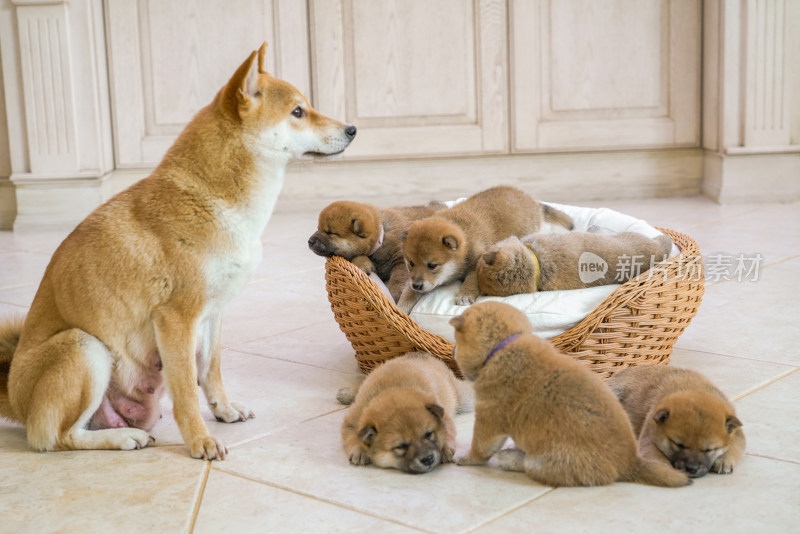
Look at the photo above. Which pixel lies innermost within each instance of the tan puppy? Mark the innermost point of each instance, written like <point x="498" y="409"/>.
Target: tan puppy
<point x="141" y="283"/>
<point x="680" y="418"/>
<point x="446" y="247"/>
<point x="575" y="260"/>
<point x="369" y="237"/>
<point x="401" y="416"/>
<point x="568" y="427"/>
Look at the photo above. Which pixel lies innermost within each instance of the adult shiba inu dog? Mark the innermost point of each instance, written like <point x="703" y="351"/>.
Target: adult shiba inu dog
<point x="567" y="426"/>
<point x="446" y="247"/>
<point x="681" y="418"/>
<point x="401" y="415"/>
<point x="553" y="262"/>
<point x="136" y="291"/>
<point x="369" y="237"/>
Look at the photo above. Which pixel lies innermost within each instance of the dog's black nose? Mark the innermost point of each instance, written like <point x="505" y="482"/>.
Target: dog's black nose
<point x="311" y="241"/>
<point x="428" y="460"/>
<point x="350" y="130"/>
<point x="417" y="286"/>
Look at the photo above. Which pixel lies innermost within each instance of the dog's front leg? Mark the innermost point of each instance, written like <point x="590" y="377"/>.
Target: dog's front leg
<point x="469" y="290"/>
<point x="210" y="378"/>
<point x="487" y="439"/>
<point x="176" y="336"/>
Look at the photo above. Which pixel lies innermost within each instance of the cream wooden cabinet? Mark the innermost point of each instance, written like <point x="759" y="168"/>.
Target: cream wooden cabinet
<point x="613" y="74"/>
<point x="417" y="77"/>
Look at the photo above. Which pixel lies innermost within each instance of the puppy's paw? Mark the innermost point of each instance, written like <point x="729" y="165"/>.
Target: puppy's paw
<point x="133" y="439"/>
<point x="510" y="459"/>
<point x="448" y="454"/>
<point x="363" y="263"/>
<point x="723" y="465"/>
<point x="208" y="448"/>
<point x="467" y="460"/>
<point x="346" y="396"/>
<point x="358" y="457"/>
<point x="232" y="412"/>
<point x="464" y="300"/>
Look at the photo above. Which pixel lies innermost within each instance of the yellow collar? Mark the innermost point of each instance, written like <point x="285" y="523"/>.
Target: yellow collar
<point x="536" y="263"/>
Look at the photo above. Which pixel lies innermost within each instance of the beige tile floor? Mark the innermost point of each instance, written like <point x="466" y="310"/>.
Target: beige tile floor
<point x="285" y="357"/>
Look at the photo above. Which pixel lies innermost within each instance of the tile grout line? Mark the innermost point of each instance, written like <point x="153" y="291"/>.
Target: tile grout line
<point x="201" y="493"/>
<point x="724" y="355"/>
<point x="509" y="511"/>
<point x="765" y="383"/>
<point x="320" y="499"/>
<point x="795" y="462"/>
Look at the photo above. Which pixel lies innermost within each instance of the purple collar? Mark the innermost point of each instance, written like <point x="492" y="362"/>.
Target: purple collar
<point x="499" y="346"/>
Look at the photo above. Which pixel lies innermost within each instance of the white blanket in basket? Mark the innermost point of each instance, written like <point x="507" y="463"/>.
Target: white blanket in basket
<point x="550" y="312"/>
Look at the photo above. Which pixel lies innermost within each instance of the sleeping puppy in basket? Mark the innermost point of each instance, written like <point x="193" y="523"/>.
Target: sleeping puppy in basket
<point x="446" y="247"/>
<point x="575" y="260"/>
<point x="368" y="236"/>
<point x="401" y="415"/>
<point x="681" y="418"/>
<point x="567" y="426"/>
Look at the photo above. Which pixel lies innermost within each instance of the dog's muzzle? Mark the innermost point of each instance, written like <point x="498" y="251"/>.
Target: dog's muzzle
<point x="317" y="246"/>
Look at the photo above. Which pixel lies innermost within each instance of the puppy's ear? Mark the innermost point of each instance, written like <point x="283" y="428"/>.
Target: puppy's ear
<point x="732" y="423"/>
<point x="490" y="257"/>
<point x="457" y="322"/>
<point x="358" y="227"/>
<point x="661" y="415"/>
<point x="367" y="434"/>
<point x="450" y="241"/>
<point x="402" y="237"/>
<point x="435" y="409"/>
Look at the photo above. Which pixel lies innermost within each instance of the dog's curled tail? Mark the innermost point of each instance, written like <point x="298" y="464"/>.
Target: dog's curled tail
<point x="657" y="473"/>
<point x="558" y="217"/>
<point x="10" y="330"/>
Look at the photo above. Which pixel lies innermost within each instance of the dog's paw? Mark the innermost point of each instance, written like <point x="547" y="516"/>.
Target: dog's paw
<point x="464" y="300"/>
<point x="723" y="465"/>
<point x="363" y="263"/>
<point x="448" y="454"/>
<point x="233" y="412"/>
<point x="510" y="459"/>
<point x="133" y="438"/>
<point x="346" y="396"/>
<point x="359" y="457"/>
<point x="208" y="448"/>
<point x="467" y="460"/>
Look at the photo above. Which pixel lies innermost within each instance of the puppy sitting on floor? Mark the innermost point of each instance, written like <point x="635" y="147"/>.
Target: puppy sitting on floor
<point x="568" y="427"/>
<point x="401" y="416"/>
<point x="368" y="236"/>
<point x="681" y="418"/>
<point x="575" y="260"/>
<point x="446" y="247"/>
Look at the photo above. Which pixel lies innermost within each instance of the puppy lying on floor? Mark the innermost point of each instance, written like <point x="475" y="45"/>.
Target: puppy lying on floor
<point x="401" y="416"/>
<point x="446" y="247"/>
<point x="681" y="418"/>
<point x="369" y="236"/>
<point x="568" y="427"/>
<point x="553" y="262"/>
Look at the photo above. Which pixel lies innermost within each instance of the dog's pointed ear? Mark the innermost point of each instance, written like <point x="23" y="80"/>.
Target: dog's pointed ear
<point x="262" y="53"/>
<point x="450" y="241"/>
<point x="242" y="88"/>
<point x="457" y="322"/>
<point x="489" y="257"/>
<point x="661" y="415"/>
<point x="367" y="434"/>
<point x="732" y="423"/>
<point x="435" y="409"/>
<point x="358" y="227"/>
<point x="402" y="237"/>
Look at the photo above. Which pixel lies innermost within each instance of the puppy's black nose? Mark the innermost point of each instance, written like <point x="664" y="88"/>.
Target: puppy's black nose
<point x="417" y="286"/>
<point x="428" y="460"/>
<point x="311" y="241"/>
<point x="350" y="131"/>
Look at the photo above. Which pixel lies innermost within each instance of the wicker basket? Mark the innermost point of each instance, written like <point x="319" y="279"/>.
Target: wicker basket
<point x="637" y="324"/>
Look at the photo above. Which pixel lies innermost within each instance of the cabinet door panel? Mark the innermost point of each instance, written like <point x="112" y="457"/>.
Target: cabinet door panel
<point x="416" y="77"/>
<point x="612" y="74"/>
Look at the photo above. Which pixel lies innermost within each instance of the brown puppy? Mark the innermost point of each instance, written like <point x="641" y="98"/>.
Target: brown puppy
<point x="680" y="418"/>
<point x="131" y="302"/>
<point x="568" y="427"/>
<point x="401" y="416"/>
<point x="446" y="247"/>
<point x="575" y="260"/>
<point x="369" y="237"/>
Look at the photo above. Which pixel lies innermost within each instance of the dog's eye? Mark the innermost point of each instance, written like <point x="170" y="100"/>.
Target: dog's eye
<point x="678" y="445"/>
<point x="298" y="112"/>
<point x="432" y="266"/>
<point x="411" y="264"/>
<point x="710" y="449"/>
<point x="401" y="449"/>
<point x="428" y="435"/>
